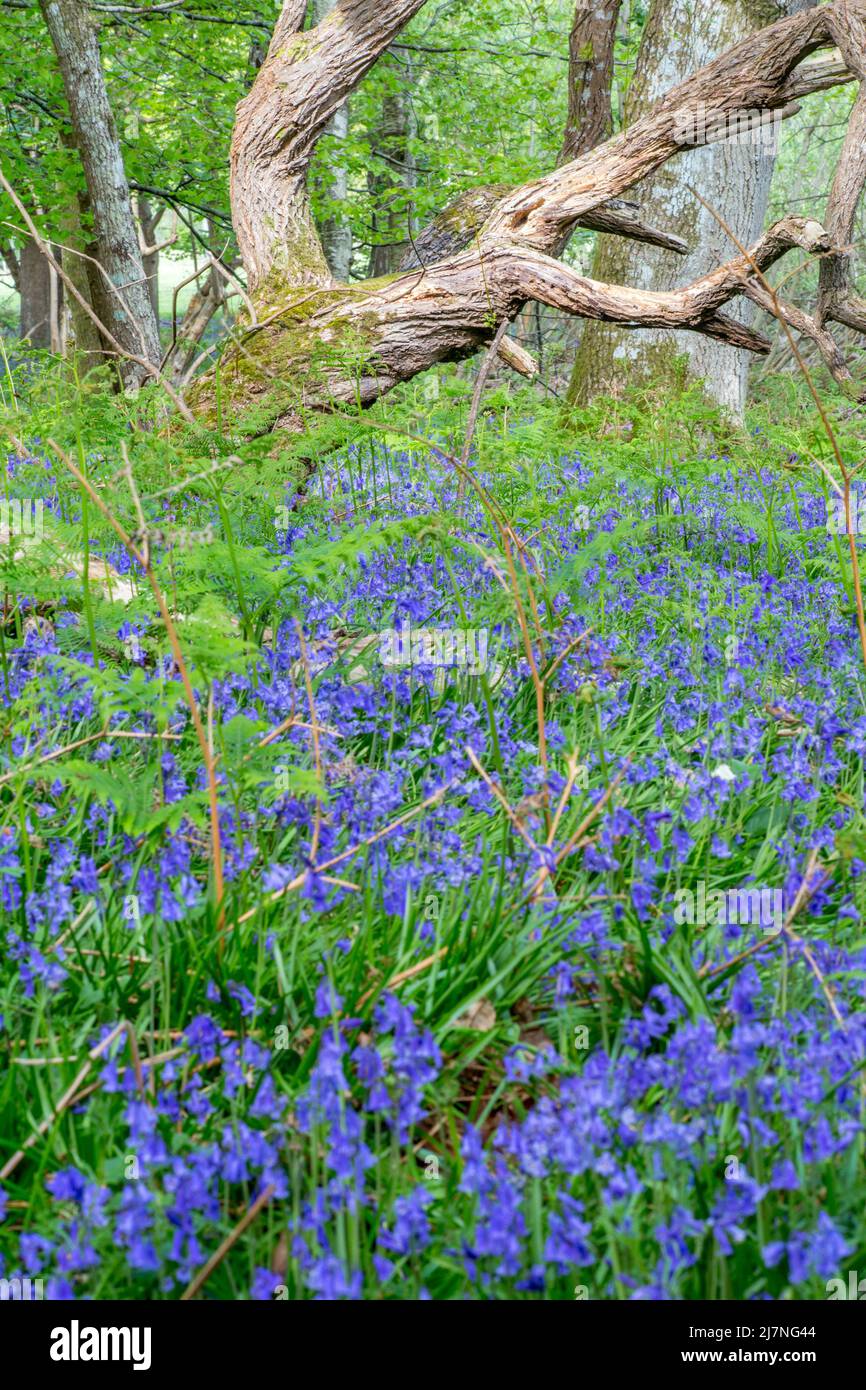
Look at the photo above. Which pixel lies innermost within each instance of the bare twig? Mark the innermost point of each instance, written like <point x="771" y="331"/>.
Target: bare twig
<point x="231" y="1239"/>
<point x="71" y="1094"/>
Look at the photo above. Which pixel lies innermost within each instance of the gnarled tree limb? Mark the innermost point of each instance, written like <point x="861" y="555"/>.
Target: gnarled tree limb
<point x="807" y="326"/>
<point x="836" y="299"/>
<point x="752" y="75"/>
<point x="302" y="82"/>
<point x="458" y="224"/>
<point x="694" y="307"/>
<point x="318" y="342"/>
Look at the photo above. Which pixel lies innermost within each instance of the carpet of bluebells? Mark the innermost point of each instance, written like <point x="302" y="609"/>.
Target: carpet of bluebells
<point x="447" y="1030"/>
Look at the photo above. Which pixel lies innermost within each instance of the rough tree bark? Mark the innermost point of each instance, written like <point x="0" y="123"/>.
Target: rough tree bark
<point x="734" y="178"/>
<point x="837" y="301"/>
<point x="317" y="343"/>
<point x="122" y="299"/>
<point x="591" y="46"/>
<point x="86" y="339"/>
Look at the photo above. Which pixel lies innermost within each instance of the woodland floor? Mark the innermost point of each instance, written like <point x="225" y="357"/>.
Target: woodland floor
<point x="494" y="1006"/>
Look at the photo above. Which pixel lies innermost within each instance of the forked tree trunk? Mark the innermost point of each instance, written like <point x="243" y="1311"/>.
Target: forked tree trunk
<point x="209" y="297"/>
<point x="316" y="343"/>
<point x="733" y="177"/>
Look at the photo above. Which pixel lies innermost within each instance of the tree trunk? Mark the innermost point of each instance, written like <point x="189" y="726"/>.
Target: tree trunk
<point x="34" y="287"/>
<point x="336" y="231"/>
<point x="86" y="341"/>
<point x="734" y="179"/>
<point x="315" y="344"/>
<point x="149" y="219"/>
<point x="124" y="300"/>
<point x="391" y="183"/>
<point x="591" y="45"/>
<point x="55" y="309"/>
<point x="590" y="75"/>
<point x="78" y="261"/>
<point x="304" y="80"/>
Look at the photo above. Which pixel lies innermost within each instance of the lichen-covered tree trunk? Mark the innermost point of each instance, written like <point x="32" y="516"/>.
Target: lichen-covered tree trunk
<point x="124" y="303"/>
<point x="733" y="177"/>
